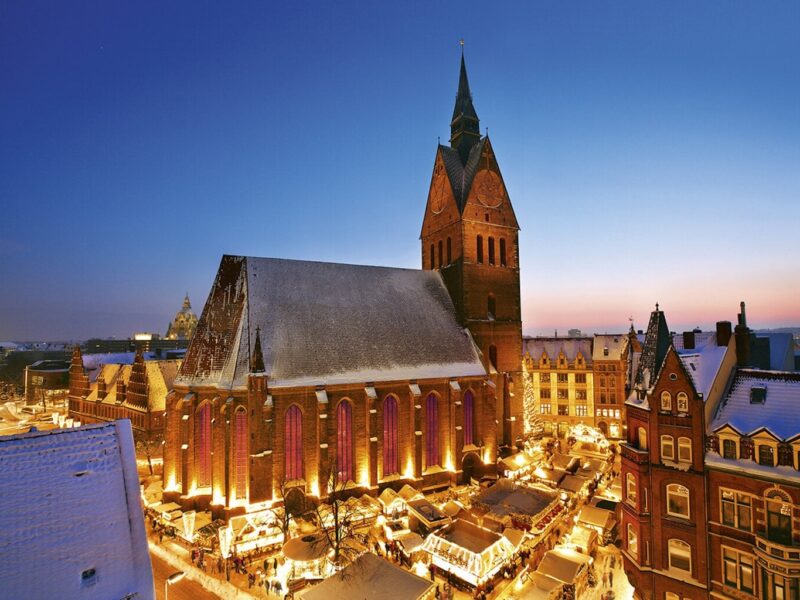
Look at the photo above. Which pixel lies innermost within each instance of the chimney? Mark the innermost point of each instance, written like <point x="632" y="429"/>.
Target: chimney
<point x="723" y="333"/>
<point x="742" y="335"/>
<point x="101" y="388"/>
<point x="688" y="340"/>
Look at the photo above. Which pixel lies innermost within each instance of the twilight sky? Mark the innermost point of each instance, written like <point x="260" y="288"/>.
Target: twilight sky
<point x="651" y="151"/>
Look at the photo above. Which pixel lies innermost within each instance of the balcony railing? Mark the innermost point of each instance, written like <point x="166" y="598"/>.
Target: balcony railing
<point x="640" y="457"/>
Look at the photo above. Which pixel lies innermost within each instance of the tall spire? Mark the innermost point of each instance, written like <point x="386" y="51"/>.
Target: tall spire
<point x="464" y="126"/>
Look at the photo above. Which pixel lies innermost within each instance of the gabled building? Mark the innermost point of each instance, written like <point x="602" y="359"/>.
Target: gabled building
<point x="753" y="466"/>
<point x="611" y="355"/>
<point x="382" y="376"/>
<point x="563" y="381"/>
<point x="107" y="391"/>
<point x="664" y="512"/>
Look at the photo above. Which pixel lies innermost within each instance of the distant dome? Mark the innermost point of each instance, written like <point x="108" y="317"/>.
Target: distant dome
<point x="184" y="323"/>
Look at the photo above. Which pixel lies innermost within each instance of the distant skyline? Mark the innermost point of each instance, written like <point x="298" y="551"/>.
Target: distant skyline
<point x="650" y="151"/>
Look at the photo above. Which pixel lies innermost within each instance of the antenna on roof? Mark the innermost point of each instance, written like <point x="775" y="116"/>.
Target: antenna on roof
<point x="656" y="306"/>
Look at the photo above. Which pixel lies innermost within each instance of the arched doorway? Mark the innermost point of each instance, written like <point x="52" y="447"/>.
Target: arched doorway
<point x="603" y="428"/>
<point x="295" y="502"/>
<point x="468" y="468"/>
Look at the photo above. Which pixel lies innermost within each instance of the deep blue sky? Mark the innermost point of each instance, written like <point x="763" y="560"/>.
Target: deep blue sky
<point x="651" y="151"/>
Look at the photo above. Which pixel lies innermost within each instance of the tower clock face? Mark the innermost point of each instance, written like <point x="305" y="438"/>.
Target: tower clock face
<point x="437" y="191"/>
<point x="489" y="189"/>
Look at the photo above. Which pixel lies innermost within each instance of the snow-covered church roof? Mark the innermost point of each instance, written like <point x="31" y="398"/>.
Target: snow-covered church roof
<point x="326" y="323"/>
<point x="71" y="522"/>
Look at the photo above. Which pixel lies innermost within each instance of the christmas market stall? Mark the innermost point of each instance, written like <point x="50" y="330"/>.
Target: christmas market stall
<point x="601" y="520"/>
<point x="424" y="517"/>
<point x="469" y="552"/>
<point x="367" y="575"/>
<point x="257" y="531"/>
<point x="563" y="567"/>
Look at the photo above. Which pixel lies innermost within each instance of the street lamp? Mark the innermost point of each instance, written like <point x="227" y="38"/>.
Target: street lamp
<point x="174" y="578"/>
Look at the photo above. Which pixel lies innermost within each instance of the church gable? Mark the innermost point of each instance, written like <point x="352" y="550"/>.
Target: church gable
<point x="488" y="190"/>
<point x="442" y="208"/>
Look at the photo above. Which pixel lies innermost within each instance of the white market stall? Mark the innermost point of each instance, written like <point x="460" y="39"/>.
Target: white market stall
<point x="471" y="553"/>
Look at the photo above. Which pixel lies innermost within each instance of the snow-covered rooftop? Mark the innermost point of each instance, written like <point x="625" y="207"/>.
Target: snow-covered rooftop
<point x="608" y="346"/>
<point x="71" y="523"/>
<point x="326" y="323"/>
<point x="93" y="363"/>
<point x="160" y="376"/>
<point x="779" y="413"/>
<point x="367" y="577"/>
<point x="703" y="363"/>
<point x="553" y="345"/>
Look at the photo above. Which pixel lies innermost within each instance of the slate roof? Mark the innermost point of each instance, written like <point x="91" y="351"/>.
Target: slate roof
<point x="463" y="105"/>
<point x="553" y="345"/>
<point x="327" y="323"/>
<point x="461" y="175"/>
<point x="656" y="342"/>
<point x="780" y="412"/>
<point x="160" y="377"/>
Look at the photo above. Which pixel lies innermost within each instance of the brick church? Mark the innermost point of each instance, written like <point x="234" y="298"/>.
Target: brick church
<point x="383" y="376"/>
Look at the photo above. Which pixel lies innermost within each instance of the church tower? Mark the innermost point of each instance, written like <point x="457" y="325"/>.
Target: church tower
<point x="471" y="236"/>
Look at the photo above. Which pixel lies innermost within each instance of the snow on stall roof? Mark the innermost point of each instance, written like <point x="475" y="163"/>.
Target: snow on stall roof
<point x="327" y="323"/>
<point x="69" y="504"/>
<point x="780" y="412"/>
<point x="367" y="576"/>
<point x="468" y="536"/>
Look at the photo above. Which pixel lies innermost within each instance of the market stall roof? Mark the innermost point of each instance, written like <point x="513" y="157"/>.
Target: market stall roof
<point x="367" y="575"/>
<point x="507" y="498"/>
<point x="516" y="462"/>
<point x="410" y="541"/>
<point x="468" y="536"/>
<point x="306" y="548"/>
<point x="566" y="462"/>
<point x="515" y="536"/>
<point x="167" y="507"/>
<point x="452" y="508"/>
<point x="583" y="537"/>
<point x="562" y="565"/>
<point x="387" y="497"/>
<point x="552" y="475"/>
<point x="409" y="493"/>
<point x="427" y="512"/>
<point x="596" y="517"/>
<point x="573" y="483"/>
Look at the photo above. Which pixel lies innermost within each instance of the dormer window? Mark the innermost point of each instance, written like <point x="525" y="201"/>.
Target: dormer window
<point x="758" y="394"/>
<point x="605" y="351"/>
<point x="729" y="449"/>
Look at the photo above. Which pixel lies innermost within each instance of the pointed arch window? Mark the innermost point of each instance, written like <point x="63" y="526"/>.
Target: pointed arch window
<point x="502" y="252"/>
<point x="240" y="452"/>
<point x="491" y="306"/>
<point x="449" y="251"/>
<point x="480" y="249"/>
<point x="293" y="438"/>
<point x="491" y="250"/>
<point x="391" y="464"/>
<point x="469" y="418"/>
<point x="440" y="254"/>
<point x="433" y="258"/>
<point x="203" y="445"/>
<point x="344" y="441"/>
<point x="432" y="430"/>
<point x="493" y="357"/>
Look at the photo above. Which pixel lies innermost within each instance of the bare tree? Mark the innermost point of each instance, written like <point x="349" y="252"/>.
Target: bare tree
<point x="283" y="515"/>
<point x="148" y="444"/>
<point x="338" y="518"/>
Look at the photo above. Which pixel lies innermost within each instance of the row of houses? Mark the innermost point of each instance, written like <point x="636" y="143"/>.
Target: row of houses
<point x="711" y="469"/>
